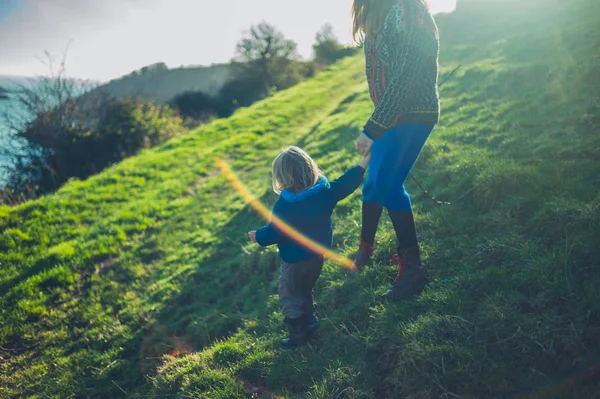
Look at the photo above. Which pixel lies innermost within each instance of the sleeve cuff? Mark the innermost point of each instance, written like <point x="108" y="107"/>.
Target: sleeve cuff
<point x="361" y="171"/>
<point x="260" y="236"/>
<point x="368" y="135"/>
<point x="374" y="129"/>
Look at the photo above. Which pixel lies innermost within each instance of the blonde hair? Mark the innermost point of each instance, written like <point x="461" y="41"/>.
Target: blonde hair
<point x="369" y="16"/>
<point x="294" y="170"/>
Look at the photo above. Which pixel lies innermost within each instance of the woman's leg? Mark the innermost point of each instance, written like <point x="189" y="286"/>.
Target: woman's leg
<point x="371" y="213"/>
<point x="395" y="155"/>
<point x="411" y="276"/>
<point x="404" y="226"/>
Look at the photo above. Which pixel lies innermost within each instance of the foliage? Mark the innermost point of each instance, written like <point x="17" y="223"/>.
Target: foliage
<point x="139" y="281"/>
<point x="82" y="136"/>
<point x="264" y="53"/>
<point x="327" y="48"/>
<point x="196" y="105"/>
<point x="266" y="62"/>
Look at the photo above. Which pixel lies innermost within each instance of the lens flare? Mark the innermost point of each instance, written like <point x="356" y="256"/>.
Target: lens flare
<point x="288" y="230"/>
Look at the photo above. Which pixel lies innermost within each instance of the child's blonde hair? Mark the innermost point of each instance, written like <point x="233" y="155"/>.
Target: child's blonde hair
<point x="294" y="170"/>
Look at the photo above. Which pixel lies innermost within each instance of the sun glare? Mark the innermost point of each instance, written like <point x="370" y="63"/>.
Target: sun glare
<point x="442" y="5"/>
<point x="280" y="224"/>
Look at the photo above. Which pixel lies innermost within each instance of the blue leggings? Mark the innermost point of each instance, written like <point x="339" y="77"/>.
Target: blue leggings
<point x="393" y="157"/>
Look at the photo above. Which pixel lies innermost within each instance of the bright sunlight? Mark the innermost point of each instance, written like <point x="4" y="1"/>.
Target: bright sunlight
<point x="442" y="5"/>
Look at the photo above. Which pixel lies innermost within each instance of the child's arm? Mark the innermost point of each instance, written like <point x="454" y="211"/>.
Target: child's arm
<point x="349" y="181"/>
<point x="266" y="235"/>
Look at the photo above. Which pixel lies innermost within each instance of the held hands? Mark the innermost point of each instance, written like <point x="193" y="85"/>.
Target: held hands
<point x="252" y="235"/>
<point x="363" y="144"/>
<point x="364" y="163"/>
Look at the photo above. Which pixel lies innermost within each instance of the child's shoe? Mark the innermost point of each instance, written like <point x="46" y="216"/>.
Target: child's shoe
<point x="297" y="329"/>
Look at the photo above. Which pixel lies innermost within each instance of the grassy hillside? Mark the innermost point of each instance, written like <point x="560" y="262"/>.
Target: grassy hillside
<point x="139" y="282"/>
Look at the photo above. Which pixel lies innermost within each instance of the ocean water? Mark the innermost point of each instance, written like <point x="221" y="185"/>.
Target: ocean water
<point x="8" y="144"/>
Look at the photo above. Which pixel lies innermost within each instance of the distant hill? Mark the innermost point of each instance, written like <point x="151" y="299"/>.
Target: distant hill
<point x="158" y="83"/>
<point x="8" y="80"/>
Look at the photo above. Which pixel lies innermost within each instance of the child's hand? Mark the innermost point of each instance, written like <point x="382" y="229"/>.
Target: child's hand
<point x="365" y="161"/>
<point x="252" y="235"/>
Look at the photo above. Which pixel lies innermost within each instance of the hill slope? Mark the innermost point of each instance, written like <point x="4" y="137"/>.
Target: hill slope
<point x="149" y="258"/>
<point x="161" y="85"/>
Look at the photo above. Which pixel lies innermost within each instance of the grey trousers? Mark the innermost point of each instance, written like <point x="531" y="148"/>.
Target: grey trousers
<point x="296" y="284"/>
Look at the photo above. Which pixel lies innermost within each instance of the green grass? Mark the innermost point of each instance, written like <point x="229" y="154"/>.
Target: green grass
<point x="140" y="281"/>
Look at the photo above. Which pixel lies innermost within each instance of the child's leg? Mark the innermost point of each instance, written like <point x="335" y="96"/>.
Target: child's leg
<point x="313" y="271"/>
<point x="296" y="282"/>
<point x="290" y="290"/>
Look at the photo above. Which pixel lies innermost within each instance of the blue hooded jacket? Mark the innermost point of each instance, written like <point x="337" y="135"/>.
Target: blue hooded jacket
<point x="309" y="212"/>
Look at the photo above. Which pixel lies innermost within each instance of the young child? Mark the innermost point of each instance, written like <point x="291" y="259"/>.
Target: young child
<point x="306" y="203"/>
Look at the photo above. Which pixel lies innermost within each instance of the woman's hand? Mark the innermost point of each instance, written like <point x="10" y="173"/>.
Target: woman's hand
<point x="252" y="235"/>
<point x="363" y="144"/>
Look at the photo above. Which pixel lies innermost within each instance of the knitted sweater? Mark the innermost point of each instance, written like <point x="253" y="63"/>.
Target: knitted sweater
<point x="402" y="69"/>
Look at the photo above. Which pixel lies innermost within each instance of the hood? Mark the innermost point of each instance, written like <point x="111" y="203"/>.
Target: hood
<point x="321" y="185"/>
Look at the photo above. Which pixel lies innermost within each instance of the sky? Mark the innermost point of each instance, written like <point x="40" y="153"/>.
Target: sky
<point x="107" y="39"/>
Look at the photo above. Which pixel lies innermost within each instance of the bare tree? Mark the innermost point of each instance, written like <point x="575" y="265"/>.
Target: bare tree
<point x="53" y="92"/>
<point x="38" y="113"/>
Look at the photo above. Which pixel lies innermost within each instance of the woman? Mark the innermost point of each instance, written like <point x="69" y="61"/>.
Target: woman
<point x="401" y="46"/>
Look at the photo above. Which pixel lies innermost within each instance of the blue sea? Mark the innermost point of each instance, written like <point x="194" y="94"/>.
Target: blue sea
<point x="8" y="144"/>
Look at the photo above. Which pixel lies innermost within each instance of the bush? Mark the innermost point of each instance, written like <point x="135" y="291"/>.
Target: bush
<point x="196" y="106"/>
<point x="75" y="140"/>
<point x="328" y="49"/>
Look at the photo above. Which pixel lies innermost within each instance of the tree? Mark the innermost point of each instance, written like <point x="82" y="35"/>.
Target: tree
<point x="3" y="94"/>
<point x="154" y="68"/>
<point x="327" y="48"/>
<point x="266" y="53"/>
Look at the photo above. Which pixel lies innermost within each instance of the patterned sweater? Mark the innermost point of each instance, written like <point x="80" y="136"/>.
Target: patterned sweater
<point x="402" y="69"/>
